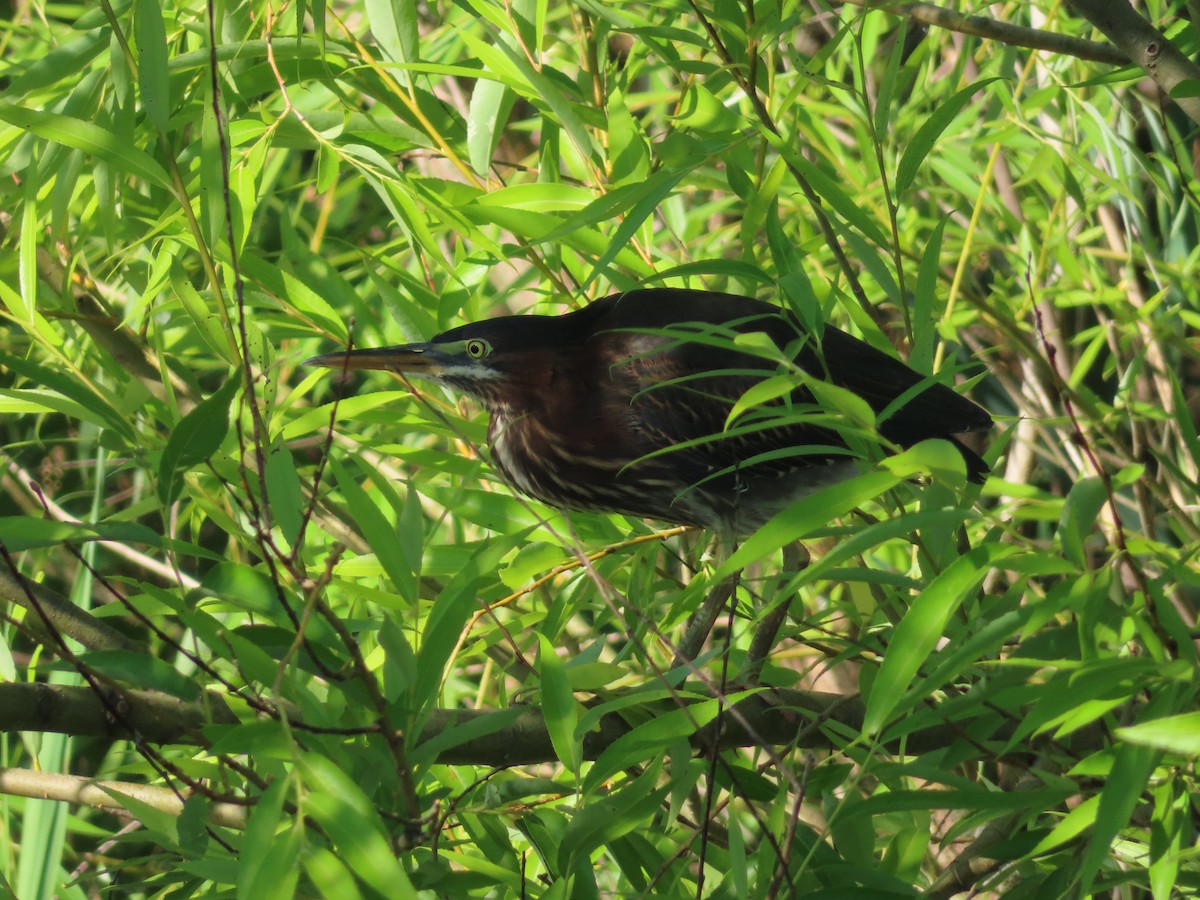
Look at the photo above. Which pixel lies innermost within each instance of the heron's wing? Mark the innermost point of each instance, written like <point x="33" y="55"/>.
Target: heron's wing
<point x="682" y="404"/>
<point x="684" y="396"/>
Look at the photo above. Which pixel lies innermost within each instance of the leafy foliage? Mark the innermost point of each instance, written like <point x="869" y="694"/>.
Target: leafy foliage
<point x="323" y="621"/>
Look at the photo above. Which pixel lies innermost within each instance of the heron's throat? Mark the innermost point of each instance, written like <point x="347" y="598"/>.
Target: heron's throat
<point x="511" y="442"/>
<point x="481" y="382"/>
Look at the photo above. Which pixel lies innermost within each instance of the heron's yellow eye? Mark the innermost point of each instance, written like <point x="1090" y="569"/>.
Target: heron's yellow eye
<point x="477" y="349"/>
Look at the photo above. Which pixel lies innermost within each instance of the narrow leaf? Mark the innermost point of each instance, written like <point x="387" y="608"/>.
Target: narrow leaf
<point x="349" y="819"/>
<point x="1173" y="734"/>
<point x="920" y="629"/>
<point x="197" y="437"/>
<point x="284" y="492"/>
<point x="379" y="533"/>
<point x="931" y="130"/>
<point x="141" y="671"/>
<point x="807" y="515"/>
<point x="558" y="706"/>
<point x="153" y="84"/>
<point x="90" y="138"/>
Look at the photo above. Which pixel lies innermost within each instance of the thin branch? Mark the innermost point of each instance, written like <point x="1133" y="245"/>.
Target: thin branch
<point x="99" y="794"/>
<point x="61" y="614"/>
<point x="1001" y="32"/>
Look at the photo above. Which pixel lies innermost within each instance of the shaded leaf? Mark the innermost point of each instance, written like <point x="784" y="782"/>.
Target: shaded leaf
<point x="198" y="436"/>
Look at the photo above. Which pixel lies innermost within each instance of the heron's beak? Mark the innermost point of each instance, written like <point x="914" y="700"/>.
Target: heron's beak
<point x="413" y="359"/>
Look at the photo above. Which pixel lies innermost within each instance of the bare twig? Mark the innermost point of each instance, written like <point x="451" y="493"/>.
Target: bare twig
<point x="1001" y="32"/>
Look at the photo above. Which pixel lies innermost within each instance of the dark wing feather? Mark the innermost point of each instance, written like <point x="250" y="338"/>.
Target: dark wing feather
<point x="879" y="379"/>
<point x="675" y="381"/>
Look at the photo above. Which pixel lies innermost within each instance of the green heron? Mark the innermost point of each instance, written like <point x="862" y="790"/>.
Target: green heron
<point x="625" y="405"/>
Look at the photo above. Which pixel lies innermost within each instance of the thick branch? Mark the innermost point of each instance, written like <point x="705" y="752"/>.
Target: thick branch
<point x="505" y="737"/>
<point x="146" y="715"/>
<point x="1145" y="45"/>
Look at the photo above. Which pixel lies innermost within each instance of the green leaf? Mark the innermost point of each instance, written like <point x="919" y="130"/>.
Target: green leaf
<point x="66" y="61"/>
<point x="486" y="115"/>
<point x="90" y="138"/>
<point x="650" y="195"/>
<point x="841" y="401"/>
<point x="1188" y="87"/>
<point x="1189" y="434"/>
<point x="761" y="392"/>
<point x="246" y="588"/>
<point x="1172" y="734"/>
<point x="969" y="798"/>
<point x="431" y="749"/>
<point x="352" y="824"/>
<point x="293" y="292"/>
<point x="806" y="516"/>
<point x="450" y="613"/>
<point x="400" y="663"/>
<point x="284" y="492"/>
<point x="629" y="159"/>
<point x="559" y="706"/>
<point x="268" y="856"/>
<point x="603" y="820"/>
<point x="890" y="80"/>
<point x="394" y="24"/>
<point x="922" y="142"/>
<point x="733" y="269"/>
<point x="828" y="189"/>
<point x="1073" y="824"/>
<point x="330" y="875"/>
<point x="377" y="531"/>
<point x="1118" y="798"/>
<point x="931" y="457"/>
<point x="921" y="628"/>
<point x="702" y="112"/>
<point x="328" y="167"/>
<point x="924" y="310"/>
<point x="207" y="321"/>
<point x="157" y="821"/>
<point x="501" y="59"/>
<point x="153" y="83"/>
<point x="588" y="676"/>
<point x="27" y="533"/>
<point x="144" y="672"/>
<point x="1083" y="505"/>
<point x="650" y="738"/>
<point x="1170" y="834"/>
<point x="198" y="436"/>
<point x="62" y="381"/>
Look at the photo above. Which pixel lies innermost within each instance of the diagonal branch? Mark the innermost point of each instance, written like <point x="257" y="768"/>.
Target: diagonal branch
<point x="1001" y="32"/>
